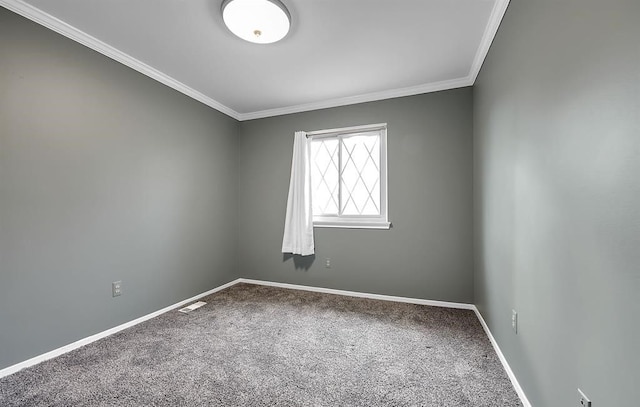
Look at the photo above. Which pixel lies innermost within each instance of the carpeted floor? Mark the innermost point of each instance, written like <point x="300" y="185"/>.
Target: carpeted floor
<point x="262" y="346"/>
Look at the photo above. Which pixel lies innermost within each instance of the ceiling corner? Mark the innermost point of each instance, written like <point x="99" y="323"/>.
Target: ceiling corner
<point x="497" y="13"/>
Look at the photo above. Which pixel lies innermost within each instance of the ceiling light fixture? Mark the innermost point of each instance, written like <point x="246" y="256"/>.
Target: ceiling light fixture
<point x="258" y="21"/>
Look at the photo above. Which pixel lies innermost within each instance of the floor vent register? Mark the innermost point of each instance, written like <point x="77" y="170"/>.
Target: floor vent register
<point x="192" y="307"/>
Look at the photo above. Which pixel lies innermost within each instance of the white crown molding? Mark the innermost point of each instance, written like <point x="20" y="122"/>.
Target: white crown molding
<point x="490" y="31"/>
<point x="53" y="23"/>
<point x="36" y="15"/>
<point x="368" y="97"/>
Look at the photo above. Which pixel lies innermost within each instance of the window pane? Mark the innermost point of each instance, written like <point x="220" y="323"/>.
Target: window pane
<point x="360" y="174"/>
<point x="324" y="175"/>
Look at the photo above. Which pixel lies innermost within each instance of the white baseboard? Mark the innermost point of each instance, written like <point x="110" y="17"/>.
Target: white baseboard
<point x="77" y="344"/>
<point x="503" y="360"/>
<point x="505" y="364"/>
<point x="358" y="294"/>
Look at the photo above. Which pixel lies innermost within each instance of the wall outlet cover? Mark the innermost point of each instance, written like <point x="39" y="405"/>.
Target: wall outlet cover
<point x="116" y="288"/>
<point x="583" y="401"/>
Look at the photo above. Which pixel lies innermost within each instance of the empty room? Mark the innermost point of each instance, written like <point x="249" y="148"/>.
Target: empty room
<point x="320" y="203"/>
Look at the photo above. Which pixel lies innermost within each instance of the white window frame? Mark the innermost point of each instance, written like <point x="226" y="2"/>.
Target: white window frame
<point x="358" y="221"/>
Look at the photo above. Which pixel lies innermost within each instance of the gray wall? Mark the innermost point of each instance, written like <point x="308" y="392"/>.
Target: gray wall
<point x="557" y="202"/>
<point x="105" y="175"/>
<point x="428" y="252"/>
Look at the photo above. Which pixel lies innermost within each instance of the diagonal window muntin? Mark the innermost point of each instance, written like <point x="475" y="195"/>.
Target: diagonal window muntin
<point x="349" y="177"/>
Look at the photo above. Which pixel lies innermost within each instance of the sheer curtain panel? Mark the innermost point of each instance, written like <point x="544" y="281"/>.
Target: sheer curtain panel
<point x="298" y="222"/>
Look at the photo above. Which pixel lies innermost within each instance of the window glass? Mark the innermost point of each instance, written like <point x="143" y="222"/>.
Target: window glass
<point x="349" y="177"/>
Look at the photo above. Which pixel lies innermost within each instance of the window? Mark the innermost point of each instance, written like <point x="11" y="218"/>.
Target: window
<point x="349" y="177"/>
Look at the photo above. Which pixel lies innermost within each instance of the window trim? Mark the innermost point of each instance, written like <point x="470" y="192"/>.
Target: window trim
<point x="359" y="221"/>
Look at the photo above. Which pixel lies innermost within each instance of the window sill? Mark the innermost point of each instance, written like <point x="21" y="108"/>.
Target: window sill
<point x="352" y="225"/>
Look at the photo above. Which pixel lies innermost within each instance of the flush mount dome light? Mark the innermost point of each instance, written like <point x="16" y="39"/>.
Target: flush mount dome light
<point x="258" y="21"/>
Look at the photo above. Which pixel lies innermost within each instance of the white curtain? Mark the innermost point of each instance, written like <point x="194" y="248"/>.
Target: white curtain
<point x="298" y="223"/>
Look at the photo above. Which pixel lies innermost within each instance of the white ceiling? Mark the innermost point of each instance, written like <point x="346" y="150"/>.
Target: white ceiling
<point x="338" y="51"/>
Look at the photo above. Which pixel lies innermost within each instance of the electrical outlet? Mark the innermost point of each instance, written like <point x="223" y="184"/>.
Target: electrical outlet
<point x="327" y="264"/>
<point x="514" y="320"/>
<point x="583" y="401"/>
<point x="116" y="288"/>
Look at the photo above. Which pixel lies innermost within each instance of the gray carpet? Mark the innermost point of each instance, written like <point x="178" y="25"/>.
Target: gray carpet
<point x="261" y="346"/>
